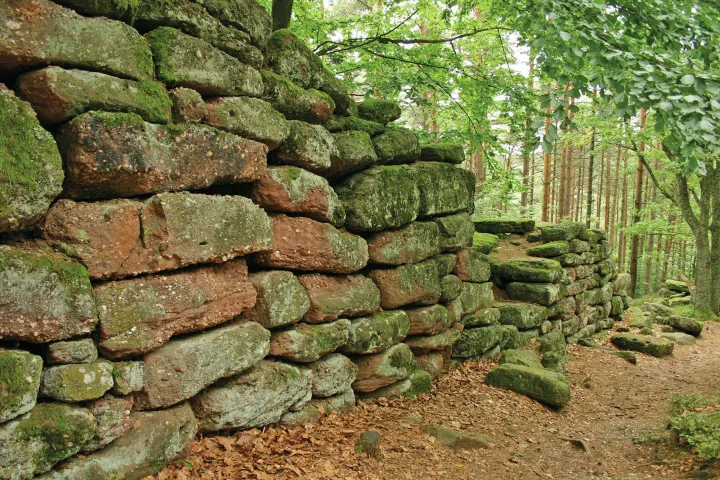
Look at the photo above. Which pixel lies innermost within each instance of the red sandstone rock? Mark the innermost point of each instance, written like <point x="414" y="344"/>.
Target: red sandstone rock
<point x="332" y="296"/>
<point x="416" y="283"/>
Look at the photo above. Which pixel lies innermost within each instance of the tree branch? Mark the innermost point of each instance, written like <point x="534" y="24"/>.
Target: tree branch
<point x="411" y="41"/>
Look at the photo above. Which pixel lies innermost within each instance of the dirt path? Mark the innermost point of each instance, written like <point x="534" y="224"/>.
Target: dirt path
<point x="619" y="410"/>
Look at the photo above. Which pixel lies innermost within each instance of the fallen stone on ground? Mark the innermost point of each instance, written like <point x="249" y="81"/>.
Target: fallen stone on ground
<point x="458" y="439"/>
<point x="545" y="386"/>
<point x="657" y="347"/>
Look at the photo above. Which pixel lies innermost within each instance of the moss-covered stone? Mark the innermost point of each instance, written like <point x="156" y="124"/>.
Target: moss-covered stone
<point x="409" y="244"/>
<point x="247" y="15"/>
<point x="379" y="111"/>
<point x="433" y="363"/>
<point x="443" y="152"/>
<point x="527" y="358"/>
<point x="550" y="249"/>
<point x="338" y="296"/>
<point x="185" y="61"/>
<point x="578" y="246"/>
<point x="534" y="271"/>
<point x="552" y="348"/>
<point x="379" y="198"/>
<point x="33" y="443"/>
<point x="45" y="296"/>
<point x="458" y="440"/>
<point x="476" y="296"/>
<point x="428" y="320"/>
<point x="510" y="337"/>
<point x="676" y="286"/>
<point x="504" y="225"/>
<point x="77" y="383"/>
<point x="522" y="315"/>
<point x="396" y="146"/>
<point x="444" y="188"/>
<point x="417" y="383"/>
<point x="485" y="242"/>
<point x="129" y="377"/>
<point x="112" y="420"/>
<point x="308" y="343"/>
<point x="542" y="293"/>
<point x="545" y="386"/>
<point x="475" y="341"/>
<point x="250" y="118"/>
<point x="450" y="288"/>
<point x="445" y="263"/>
<point x="341" y="123"/>
<point x="564" y="231"/>
<point x="481" y="318"/>
<point x="331" y="375"/>
<point x="116" y="9"/>
<point x="354" y="152"/>
<point x="456" y="231"/>
<point x="430" y="343"/>
<point x="31" y="173"/>
<point x="312" y="106"/>
<point x="414" y="283"/>
<point x="377" y="332"/>
<point x="308" y="146"/>
<point x="385" y="368"/>
<point x="342" y="402"/>
<point x="472" y="265"/>
<point x="188" y="106"/>
<point x="20" y="374"/>
<point x="281" y="299"/>
<point x="74" y="351"/>
<point x="657" y="347"/>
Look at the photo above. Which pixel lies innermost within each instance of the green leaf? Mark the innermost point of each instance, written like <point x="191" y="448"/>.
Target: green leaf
<point x="687" y="79"/>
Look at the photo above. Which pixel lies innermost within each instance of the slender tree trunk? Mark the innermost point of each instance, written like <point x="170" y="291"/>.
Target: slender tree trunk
<point x="546" y="175"/>
<point x="668" y="251"/>
<point x="614" y="209"/>
<point x="281" y="13"/>
<point x="591" y="166"/>
<point x="608" y="191"/>
<point x="635" y="245"/>
<point x="600" y="189"/>
<point x="562" y="194"/>
<point x="532" y="179"/>
<point x="623" y="209"/>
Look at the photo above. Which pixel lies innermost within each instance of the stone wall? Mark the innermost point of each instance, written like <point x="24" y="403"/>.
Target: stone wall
<point x="200" y="230"/>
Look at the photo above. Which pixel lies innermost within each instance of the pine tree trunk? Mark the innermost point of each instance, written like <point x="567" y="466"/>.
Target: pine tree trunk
<point x="600" y="189"/>
<point x="635" y="245"/>
<point x="545" y="214"/>
<point x="591" y="166"/>
<point x="623" y="209"/>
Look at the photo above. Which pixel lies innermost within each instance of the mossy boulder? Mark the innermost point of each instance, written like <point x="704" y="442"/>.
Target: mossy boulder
<point x="31" y="172"/>
<point x="510" y="337"/>
<point x="396" y="146"/>
<point x="414" y="283"/>
<point x="116" y="9"/>
<point x="308" y="343"/>
<point x="450" y="288"/>
<point x="20" y="374"/>
<point x="77" y="383"/>
<point x="308" y="146"/>
<point x="332" y="375"/>
<point x="379" y="111"/>
<point x="73" y="351"/>
<point x="417" y="383"/>
<point x="475" y="341"/>
<point x="444" y="188"/>
<point x="564" y="231"/>
<point x="545" y="386"/>
<point x="531" y="270"/>
<point x="553" y="350"/>
<point x="49" y="433"/>
<point x="409" y="244"/>
<point x="188" y="106"/>
<point x="578" y="246"/>
<point x="680" y="338"/>
<point x="318" y="407"/>
<point x="443" y="152"/>
<point x="377" y="332"/>
<point x="677" y="286"/>
<point x="445" y="263"/>
<point x="472" y="265"/>
<point x="504" y="225"/>
<point x="333" y="296"/>
<point x="481" y="318"/>
<point x="616" y="306"/>
<point x="341" y="123"/>
<point x="311" y="106"/>
<point x="542" y="293"/>
<point x="250" y="118"/>
<point x="456" y="231"/>
<point x="428" y="320"/>
<point x="458" y="440"/>
<point x="526" y="358"/>
<point x="431" y="343"/>
<point x="385" y="368"/>
<point x="550" y="249"/>
<point x="485" y="242"/>
<point x="245" y="15"/>
<point x="569" y="259"/>
<point x="433" y="363"/>
<point x="354" y="152"/>
<point x="281" y="299"/>
<point x="522" y="315"/>
<point x="129" y="377"/>
<point x="112" y="420"/>
<point x="657" y="347"/>
<point x="476" y="296"/>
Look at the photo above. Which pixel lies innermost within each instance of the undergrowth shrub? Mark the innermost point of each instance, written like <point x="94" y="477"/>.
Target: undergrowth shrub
<point x="695" y="419"/>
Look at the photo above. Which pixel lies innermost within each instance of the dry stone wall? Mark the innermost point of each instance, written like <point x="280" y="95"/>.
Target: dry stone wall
<point x="201" y="231"/>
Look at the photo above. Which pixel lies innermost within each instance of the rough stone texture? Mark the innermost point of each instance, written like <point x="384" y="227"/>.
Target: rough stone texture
<point x="545" y="386"/>
<point x="379" y="198"/>
<point x="450" y="288"/>
<point x="256" y="398"/>
<point x="414" y="283"/>
<point x="246" y="15"/>
<point x="45" y="296"/>
<point x="504" y="225"/>
<point x="445" y="263"/>
<point x="58" y="95"/>
<point x="316" y="408"/>
<point x="526" y="358"/>
<point x="657" y="347"/>
<point x="112" y="420"/>
<point x="417" y="383"/>
<point x="476" y="296"/>
<point x="139" y="315"/>
<point x="129" y="377"/>
<point x="377" y="332"/>
<point x="308" y="343"/>
<point x="522" y="315"/>
<point x="304" y="244"/>
<point x="379" y="111"/>
<point x="563" y="309"/>
<point x="472" y="266"/>
<point x="549" y="250"/>
<point x="564" y="231"/>
<point x="396" y="146"/>
<point x="409" y="244"/>
<point x="294" y="190"/>
<point x="340" y="123"/>
<point x="384" y="368"/>
<point x="157" y="438"/>
<point x="308" y="146"/>
<point x="118" y="155"/>
<point x="431" y="343"/>
<point x="281" y="299"/>
<point x="185" y="61"/>
<point x="542" y="293"/>
<point x="680" y="338"/>
<point x="443" y="152"/>
<point x="482" y="318"/>
<point x="444" y="188"/>
<point x="428" y="320"/>
<point x="433" y="363"/>
<point x="20" y="373"/>
<point x="332" y="297"/>
<point x="475" y="341"/>
<point x="485" y="242"/>
<point x="31" y="172"/>
<point x="194" y="20"/>
<point x="250" y="118"/>
<point x="456" y="231"/>
<point x="332" y="374"/>
<point x="77" y="383"/>
<point x="188" y="106"/>
<point x="53" y="35"/>
<point x="181" y="368"/>
<point x="458" y="440"/>
<point x="312" y="106"/>
<point x="51" y="432"/>
<point x="665" y="315"/>
<point x="289" y="56"/>
<point x="119" y="238"/>
<point x="677" y="286"/>
<point x="353" y="151"/>
<point x="536" y="271"/>
<point x="553" y="350"/>
<point x="75" y="351"/>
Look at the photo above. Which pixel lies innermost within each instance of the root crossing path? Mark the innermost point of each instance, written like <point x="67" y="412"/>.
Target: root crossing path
<point x="618" y="412"/>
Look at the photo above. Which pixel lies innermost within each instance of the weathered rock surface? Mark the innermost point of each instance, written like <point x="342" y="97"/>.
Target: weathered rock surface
<point x="316" y="408"/>
<point x="188" y="106"/>
<point x="58" y="95"/>
<point x="332" y="297"/>
<point x="246" y="15"/>
<point x="428" y="320"/>
<point x="542" y="293"/>
<point x="481" y="318"/>
<point x="443" y="152"/>
<point x="32" y="174"/>
<point x="250" y="118"/>
<point x="53" y="35"/>
<point x="311" y="106"/>
<point x="74" y="351"/>
<point x="535" y="271"/>
<point x="667" y="316"/>
<point x="458" y="440"/>
<point x="680" y="338"/>
<point x="545" y="386"/>
<point x="308" y="146"/>
<point x="549" y="250"/>
<point x="472" y="266"/>
<point x="45" y="296"/>
<point x="139" y="315"/>
<point x="677" y="286"/>
<point x="444" y="188"/>
<point x="281" y="299"/>
<point x="353" y="151"/>
<point x="112" y="420"/>
<point x="417" y="383"/>
<point x="78" y="382"/>
<point x="409" y="244"/>
<point x="451" y="287"/>
<point x="456" y="231"/>
<point x="20" y="373"/>
<point x="564" y="231"/>
<point x="294" y="190"/>
<point x="118" y="155"/>
<point x="433" y="363"/>
<point x="526" y="358"/>
<point x="253" y="399"/>
<point x="379" y="111"/>
<point x="496" y="225"/>
<point x="431" y="343"/>
<point x="340" y="123"/>
<point x="657" y="347"/>
<point x="414" y="283"/>
<point x="476" y="296"/>
<point x="377" y="332"/>
<point x="332" y="375"/>
<point x="475" y="341"/>
<point x="384" y="368"/>
<point x="396" y="146"/>
<point x="485" y="242"/>
<point x="523" y="315"/>
<point x="308" y="343"/>
<point x="120" y="238"/>
<point x="185" y="61"/>
<point x="304" y="244"/>
<point x="174" y="372"/>
<point x="129" y="377"/>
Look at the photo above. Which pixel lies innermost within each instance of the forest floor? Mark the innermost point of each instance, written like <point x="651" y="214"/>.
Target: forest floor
<point x="618" y="410"/>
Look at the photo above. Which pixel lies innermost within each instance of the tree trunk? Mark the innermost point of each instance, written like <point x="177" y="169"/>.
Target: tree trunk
<point x="614" y="219"/>
<point x="635" y="245"/>
<point x="600" y="189"/>
<point x="591" y="166"/>
<point x="623" y="209"/>
<point x="546" y="175"/>
<point x="281" y="13"/>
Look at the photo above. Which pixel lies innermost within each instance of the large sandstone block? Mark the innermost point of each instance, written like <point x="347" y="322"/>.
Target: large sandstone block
<point x="112" y="420"/>
<point x="432" y="343"/>
<point x="417" y="383"/>
<point x="156" y="439"/>
<point x="353" y="152"/>
<point x="332" y="297"/>
<point x="311" y="106"/>
<point x="20" y="373"/>
<point x="444" y="188"/>
<point x="456" y="231"/>
<point x="396" y="146"/>
<point x="246" y="15"/>
<point x="379" y="198"/>
<point x="384" y="368"/>
<point x="253" y="399"/>
<point x="185" y="61"/>
<point x="121" y="238"/>
<point x="379" y="111"/>
<point x="281" y="299"/>
<point x="72" y="351"/>
<point x="531" y="270"/>
<point x="428" y="320"/>
<point x="304" y="244"/>
<point x="31" y="172"/>
<point x="45" y="296"/>
<point x="118" y="155"/>
<point x="78" y="382"/>
<point x="377" y="332"/>
<point x="523" y="315"/>
<point x="409" y="244"/>
<point x="543" y="385"/>
<point x="414" y="283"/>
<point x="308" y="146"/>
<point x="41" y="33"/>
<point x="476" y="296"/>
<point x="332" y="374"/>
<point x="472" y="265"/>
<point x="181" y="368"/>
<point x="140" y="314"/>
<point x="474" y="342"/>
<point x="443" y="152"/>
<point x="542" y="293"/>
<point x="294" y="190"/>
<point x="342" y="402"/>
<point x="58" y="95"/>
<point x="250" y="118"/>
<point x="308" y="343"/>
<point x="341" y="123"/>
